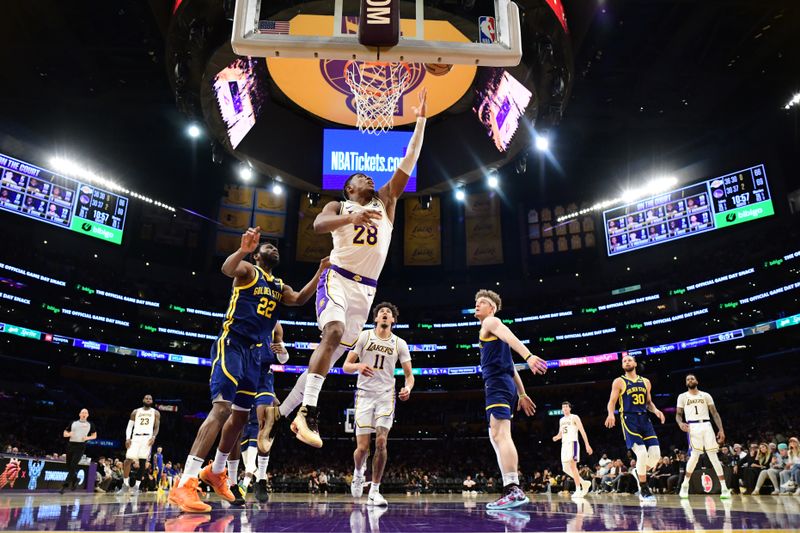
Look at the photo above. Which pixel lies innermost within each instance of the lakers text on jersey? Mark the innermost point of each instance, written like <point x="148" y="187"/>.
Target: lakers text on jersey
<point x="570" y="449"/>
<point x="143" y="423"/>
<point x="695" y="407"/>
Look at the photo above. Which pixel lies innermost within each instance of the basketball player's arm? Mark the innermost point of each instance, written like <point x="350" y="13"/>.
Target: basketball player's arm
<point x="297" y="298"/>
<point x="156" y="425"/>
<point x="712" y="410"/>
<point x="650" y="405"/>
<point x="277" y="345"/>
<point x="405" y="392"/>
<point x="616" y="390"/>
<point x="498" y="329"/>
<point x="351" y="367"/>
<point x="680" y="418"/>
<point x="330" y="220"/>
<point x="583" y="434"/>
<point x="234" y="266"/>
<point x="129" y="429"/>
<point x="524" y="402"/>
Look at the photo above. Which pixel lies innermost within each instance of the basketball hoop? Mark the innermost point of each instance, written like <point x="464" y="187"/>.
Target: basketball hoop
<point x="377" y="87"/>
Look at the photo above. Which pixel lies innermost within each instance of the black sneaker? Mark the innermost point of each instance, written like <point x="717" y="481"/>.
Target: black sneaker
<point x="261" y="492"/>
<point x="238" y="495"/>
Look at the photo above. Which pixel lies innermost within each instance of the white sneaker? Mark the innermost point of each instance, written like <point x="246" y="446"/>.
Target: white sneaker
<point x="586" y="486"/>
<point x="725" y="494"/>
<point x="357" y="486"/>
<point x="376" y="498"/>
<point x="684" y="493"/>
<point x="578" y="494"/>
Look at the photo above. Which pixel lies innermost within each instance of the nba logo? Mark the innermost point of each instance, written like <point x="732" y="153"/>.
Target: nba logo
<point x="486" y="28"/>
<point x="708" y="483"/>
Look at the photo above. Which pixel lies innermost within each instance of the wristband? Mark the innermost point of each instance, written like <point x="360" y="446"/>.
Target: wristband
<point x="528" y="357"/>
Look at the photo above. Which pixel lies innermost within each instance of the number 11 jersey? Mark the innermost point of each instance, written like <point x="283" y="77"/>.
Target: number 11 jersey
<point x="382" y="355"/>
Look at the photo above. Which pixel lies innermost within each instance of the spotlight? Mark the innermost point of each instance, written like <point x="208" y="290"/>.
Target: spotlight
<point x="493" y="182"/>
<point x="313" y="199"/>
<point x="460" y="194"/>
<point x="542" y="143"/>
<point x="194" y="131"/>
<point x="277" y="188"/>
<point x="245" y="172"/>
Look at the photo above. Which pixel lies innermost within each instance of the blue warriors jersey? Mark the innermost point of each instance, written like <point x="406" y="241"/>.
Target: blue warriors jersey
<point x="496" y="359"/>
<point x="634" y="398"/>
<point x="252" y="311"/>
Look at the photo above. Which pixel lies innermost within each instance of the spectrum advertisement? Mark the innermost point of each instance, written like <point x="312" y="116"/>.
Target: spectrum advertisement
<point x="345" y="152"/>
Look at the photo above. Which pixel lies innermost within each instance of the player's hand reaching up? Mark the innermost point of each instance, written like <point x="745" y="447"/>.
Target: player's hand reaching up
<point x="525" y="403"/>
<point x="250" y="239"/>
<point x="404" y="394"/>
<point x="422" y="109"/>
<point x="537" y="364"/>
<point x="611" y="421"/>
<point x="364" y="369"/>
<point x="365" y="217"/>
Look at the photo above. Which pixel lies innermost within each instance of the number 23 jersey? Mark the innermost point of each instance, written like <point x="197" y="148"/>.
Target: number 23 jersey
<point x="382" y="356"/>
<point x="362" y="249"/>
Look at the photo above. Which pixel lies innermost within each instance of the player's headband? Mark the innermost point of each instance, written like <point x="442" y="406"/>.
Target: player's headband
<point x="488" y="301"/>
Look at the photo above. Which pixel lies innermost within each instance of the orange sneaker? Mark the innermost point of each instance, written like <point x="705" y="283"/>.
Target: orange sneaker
<point x="187" y="498"/>
<point x="218" y="482"/>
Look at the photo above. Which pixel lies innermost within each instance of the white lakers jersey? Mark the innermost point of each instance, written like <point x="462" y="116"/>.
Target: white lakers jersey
<point x="382" y="356"/>
<point x="144" y="421"/>
<point x="695" y="406"/>
<point x="362" y="249"/>
<point x="568" y="426"/>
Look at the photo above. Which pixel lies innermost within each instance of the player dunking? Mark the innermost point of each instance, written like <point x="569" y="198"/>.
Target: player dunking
<point x="362" y="231"/>
<point x="695" y="411"/>
<point x="502" y="385"/>
<point x="568" y="428"/>
<point x="140" y="435"/>
<point x="236" y="364"/>
<point x="633" y="393"/>
<point x="379" y="352"/>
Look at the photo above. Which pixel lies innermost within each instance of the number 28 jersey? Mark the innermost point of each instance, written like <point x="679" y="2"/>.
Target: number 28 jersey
<point x="362" y="249"/>
<point x="382" y="355"/>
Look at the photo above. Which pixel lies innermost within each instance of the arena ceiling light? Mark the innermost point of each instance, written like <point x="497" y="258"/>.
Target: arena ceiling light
<point x="542" y="142"/>
<point x="80" y="172"/>
<point x="492" y="179"/>
<point x="651" y="188"/>
<point x="460" y="194"/>
<point x="245" y="172"/>
<point x="793" y="102"/>
<point x="277" y="188"/>
<point x="194" y="131"/>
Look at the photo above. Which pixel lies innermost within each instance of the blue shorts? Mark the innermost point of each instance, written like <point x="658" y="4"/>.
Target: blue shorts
<point x="235" y="366"/>
<point x="638" y="429"/>
<point x="265" y="391"/>
<point x="501" y="396"/>
<point x="250" y="433"/>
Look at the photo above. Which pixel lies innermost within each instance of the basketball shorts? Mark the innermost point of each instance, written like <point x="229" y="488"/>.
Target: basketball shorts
<point x="570" y="451"/>
<point x="701" y="437"/>
<point x="340" y="299"/>
<point x="638" y="429"/>
<point x="373" y="410"/>
<point x="140" y="447"/>
<point x="235" y="370"/>
<point x="501" y="397"/>
<point x="265" y="391"/>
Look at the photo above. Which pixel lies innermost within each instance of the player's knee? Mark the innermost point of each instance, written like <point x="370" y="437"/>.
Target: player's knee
<point x="380" y="443"/>
<point x="653" y="455"/>
<point x="220" y="411"/>
<point x="363" y="447"/>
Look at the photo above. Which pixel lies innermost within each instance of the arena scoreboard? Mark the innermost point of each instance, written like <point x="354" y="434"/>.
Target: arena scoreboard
<point x="735" y="198"/>
<point x="43" y="195"/>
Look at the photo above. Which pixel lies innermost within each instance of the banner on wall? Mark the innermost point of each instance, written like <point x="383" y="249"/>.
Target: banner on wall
<point x="312" y="246"/>
<point x="245" y="207"/>
<point x="29" y="474"/>
<point x="423" y="233"/>
<point x="483" y="231"/>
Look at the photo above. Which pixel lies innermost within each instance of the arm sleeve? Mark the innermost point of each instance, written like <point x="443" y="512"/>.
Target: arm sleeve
<point x="129" y="430"/>
<point x="403" y="354"/>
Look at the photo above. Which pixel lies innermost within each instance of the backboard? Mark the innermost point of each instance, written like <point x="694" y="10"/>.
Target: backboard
<point x="328" y="29"/>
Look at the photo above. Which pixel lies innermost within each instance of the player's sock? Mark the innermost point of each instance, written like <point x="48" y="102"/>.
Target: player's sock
<point x="127" y="481"/>
<point x="136" y="485"/>
<point x="510" y="478"/>
<point x="313" y="387"/>
<point x="295" y="396"/>
<point x="246" y="481"/>
<point x="218" y="466"/>
<point x="374" y="488"/>
<point x="192" y="469"/>
<point x="263" y="463"/>
<point x="233" y="471"/>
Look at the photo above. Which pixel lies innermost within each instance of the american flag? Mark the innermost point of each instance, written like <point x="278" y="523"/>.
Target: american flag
<point x="275" y="27"/>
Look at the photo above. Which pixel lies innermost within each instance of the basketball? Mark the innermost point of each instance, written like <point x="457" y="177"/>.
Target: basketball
<point x="438" y="69"/>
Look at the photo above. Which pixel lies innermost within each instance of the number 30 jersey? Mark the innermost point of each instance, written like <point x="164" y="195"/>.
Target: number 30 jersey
<point x="382" y="356"/>
<point x="253" y="309"/>
<point x="362" y="249"/>
<point x="634" y="398"/>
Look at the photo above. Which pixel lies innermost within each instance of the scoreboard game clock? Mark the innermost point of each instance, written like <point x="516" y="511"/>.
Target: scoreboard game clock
<point x="717" y="203"/>
<point x="43" y="195"/>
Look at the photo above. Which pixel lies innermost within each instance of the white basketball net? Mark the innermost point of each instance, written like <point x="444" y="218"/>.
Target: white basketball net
<point x="376" y="87"/>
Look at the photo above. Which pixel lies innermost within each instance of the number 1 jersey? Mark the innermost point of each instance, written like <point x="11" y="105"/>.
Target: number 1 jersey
<point x="382" y="355"/>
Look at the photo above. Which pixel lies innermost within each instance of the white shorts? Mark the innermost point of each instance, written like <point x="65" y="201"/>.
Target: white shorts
<point x="140" y="449"/>
<point x="702" y="437"/>
<point x="343" y="300"/>
<point x="570" y="451"/>
<point x="373" y="410"/>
